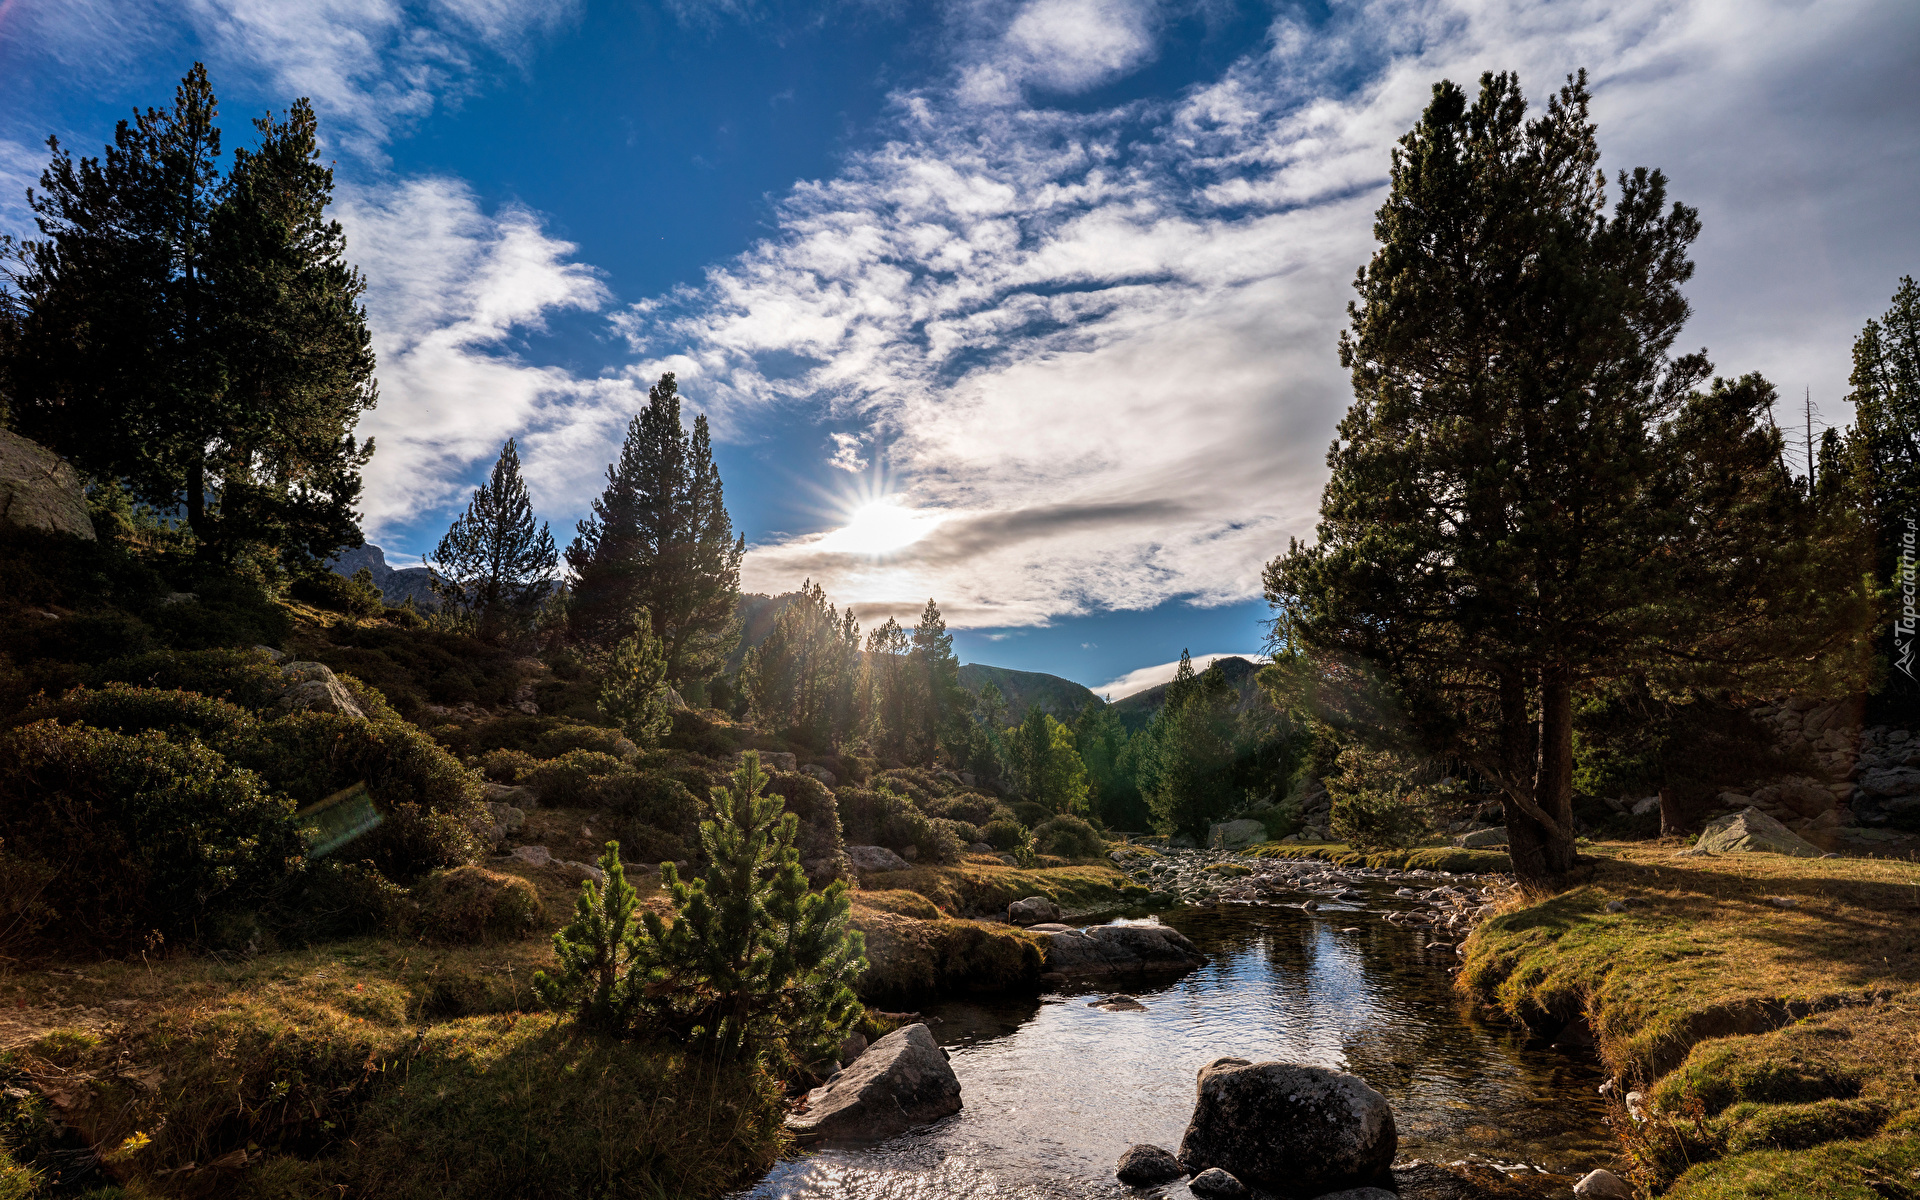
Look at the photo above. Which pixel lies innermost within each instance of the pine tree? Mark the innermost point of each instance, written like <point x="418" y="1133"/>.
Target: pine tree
<point x="940" y="704"/>
<point x="633" y="685"/>
<point x="1193" y="740"/>
<point x="1102" y="740"/>
<point x="888" y="691"/>
<point x="1886" y="399"/>
<point x="659" y="538"/>
<point x="1047" y="764"/>
<point x="1529" y="495"/>
<point x="799" y="680"/>
<point x="753" y="961"/>
<point x="493" y="567"/>
<point x="198" y="337"/>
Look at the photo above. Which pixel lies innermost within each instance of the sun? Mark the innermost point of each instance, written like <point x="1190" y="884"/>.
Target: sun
<point x="880" y="527"/>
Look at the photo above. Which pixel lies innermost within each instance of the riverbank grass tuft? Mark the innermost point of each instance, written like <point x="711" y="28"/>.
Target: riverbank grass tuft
<point x="1424" y="858"/>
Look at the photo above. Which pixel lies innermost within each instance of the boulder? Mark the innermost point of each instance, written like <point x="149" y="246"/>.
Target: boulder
<point x="1120" y="950"/>
<point x="38" y="490"/>
<point x="1890" y="781"/>
<point x="579" y="872"/>
<point x="1301" y="1129"/>
<point x="902" y="1080"/>
<point x="514" y="797"/>
<point x="1482" y="839"/>
<point x="1215" y="1182"/>
<point x="1602" y="1185"/>
<point x="853" y="1047"/>
<point x="498" y="821"/>
<point x="1802" y="796"/>
<point x="1146" y="1166"/>
<point x="1360" y="1193"/>
<point x="819" y="772"/>
<point x="875" y="858"/>
<point x="314" y="686"/>
<point x="533" y="856"/>
<point x="979" y="848"/>
<point x="1752" y="830"/>
<point x="771" y="760"/>
<point x="1034" y="910"/>
<point x="1236" y="835"/>
<point x="1645" y="805"/>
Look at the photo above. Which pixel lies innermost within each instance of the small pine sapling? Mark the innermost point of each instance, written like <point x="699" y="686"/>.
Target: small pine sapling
<point x="596" y="951"/>
<point x="633" y="684"/>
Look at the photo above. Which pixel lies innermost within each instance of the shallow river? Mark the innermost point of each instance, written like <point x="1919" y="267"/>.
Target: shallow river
<point x="1055" y="1089"/>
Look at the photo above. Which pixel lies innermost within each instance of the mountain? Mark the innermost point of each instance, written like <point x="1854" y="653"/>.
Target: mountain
<point x="1023" y="689"/>
<point x="1136" y="710"/>
<point x="395" y="585"/>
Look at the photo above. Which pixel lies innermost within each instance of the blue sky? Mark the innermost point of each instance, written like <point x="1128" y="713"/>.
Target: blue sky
<point x="1029" y="305"/>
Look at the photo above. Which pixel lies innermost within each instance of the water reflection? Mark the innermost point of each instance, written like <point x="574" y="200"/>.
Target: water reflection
<point x="1056" y="1089"/>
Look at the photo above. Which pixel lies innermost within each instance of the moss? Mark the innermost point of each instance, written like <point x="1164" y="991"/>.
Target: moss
<point x="1750" y="1126"/>
<point x="1873" y="1169"/>
<point x="911" y="960"/>
<point x="64" y="1047"/>
<point x="1722" y="1072"/>
<point x="979" y="888"/>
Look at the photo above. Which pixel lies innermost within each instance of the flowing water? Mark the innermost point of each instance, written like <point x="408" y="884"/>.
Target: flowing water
<point x="1055" y="1089"/>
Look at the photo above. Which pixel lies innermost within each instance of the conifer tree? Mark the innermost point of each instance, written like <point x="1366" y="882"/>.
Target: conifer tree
<point x="633" y="685"/>
<point x="800" y="678"/>
<point x="887" y="690"/>
<point x="659" y="538"/>
<point x="939" y="703"/>
<point x="1886" y="400"/>
<point x="1529" y="495"/>
<point x="494" y="567"/>
<point x="198" y="337"/>
<point x="1193" y="753"/>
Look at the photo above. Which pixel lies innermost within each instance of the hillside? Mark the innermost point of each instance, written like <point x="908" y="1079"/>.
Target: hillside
<point x="1136" y="710"/>
<point x="397" y="586"/>
<point x="1023" y="689"/>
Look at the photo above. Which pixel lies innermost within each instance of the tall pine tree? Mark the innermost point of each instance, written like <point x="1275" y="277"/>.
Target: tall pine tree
<point x="659" y="538"/>
<point x="493" y="566"/>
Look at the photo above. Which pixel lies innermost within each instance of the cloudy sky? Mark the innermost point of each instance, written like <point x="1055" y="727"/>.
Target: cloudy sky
<point x="1028" y="306"/>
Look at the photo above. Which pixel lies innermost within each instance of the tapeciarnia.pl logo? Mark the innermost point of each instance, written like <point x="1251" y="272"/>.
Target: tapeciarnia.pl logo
<point x="1904" y="627"/>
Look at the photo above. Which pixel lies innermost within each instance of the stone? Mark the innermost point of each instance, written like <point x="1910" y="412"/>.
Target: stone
<point x="771" y="760"/>
<point x="533" y="856"/>
<point x="1117" y="1003"/>
<point x="1215" y="1182"/>
<point x="1120" y="950"/>
<point x="1890" y="781"/>
<point x="1146" y="1166"/>
<point x="579" y="872"/>
<point x="902" y="1080"/>
<point x="675" y="703"/>
<point x="1645" y="805"/>
<point x="496" y="821"/>
<point x="273" y="656"/>
<point x="1236" y="835"/>
<point x="313" y="686"/>
<point x="1804" y="797"/>
<point x="875" y="858"/>
<point x="1751" y="830"/>
<point x="979" y="848"/>
<point x="517" y="797"/>
<point x="1360" y="1193"/>
<point x="39" y="490"/>
<point x="853" y="1047"/>
<point x="1034" y="910"/>
<point x="821" y="773"/>
<point x="1602" y="1185"/>
<point x="1482" y="839"/>
<point x="1289" y="1126"/>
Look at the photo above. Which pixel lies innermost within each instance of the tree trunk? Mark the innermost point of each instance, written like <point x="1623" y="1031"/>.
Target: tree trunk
<point x="1539" y="768"/>
<point x="1673" y="822"/>
<point x="1553" y="785"/>
<point x="197" y="499"/>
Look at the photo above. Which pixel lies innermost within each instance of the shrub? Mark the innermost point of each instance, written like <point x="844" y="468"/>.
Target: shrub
<point x="556" y="740"/>
<point x="752" y="961"/>
<point x="147" y="833"/>
<point x="870" y="817"/>
<point x="86" y="637"/>
<point x="469" y="904"/>
<point x="329" y="589"/>
<point x="227" y="613"/>
<point x="1383" y="800"/>
<point x="698" y="735"/>
<point x="247" y="678"/>
<point x="656" y="816"/>
<point x="341" y="899"/>
<point x="1004" y="833"/>
<point x="566" y="781"/>
<point x="427" y="802"/>
<point x="809" y="800"/>
<point x="1069" y="837"/>
<point x="1031" y="814"/>
<point x="507" y="766"/>
<point x="966" y="834"/>
<point x="970" y="807"/>
<point x="125" y="709"/>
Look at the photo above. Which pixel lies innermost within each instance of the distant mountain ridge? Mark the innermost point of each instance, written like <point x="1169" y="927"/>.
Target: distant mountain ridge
<point x="396" y="585"/>
<point x="1136" y="710"/>
<point x="1027" y="689"/>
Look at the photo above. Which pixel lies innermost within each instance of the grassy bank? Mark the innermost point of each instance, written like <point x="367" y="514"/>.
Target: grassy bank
<point x="1765" y="1007"/>
<point x="1424" y="858"/>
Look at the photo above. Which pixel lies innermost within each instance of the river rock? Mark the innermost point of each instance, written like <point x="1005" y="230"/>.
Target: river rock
<point x="1215" y="1182"/>
<point x="1236" y="835"/>
<point x="1034" y="910"/>
<point x="1750" y="830"/>
<point x="902" y="1080"/>
<point x="876" y="858"/>
<point x="1482" y="839"/>
<point x="1602" y="1185"/>
<point x="313" y="686"/>
<point x="38" y="490"/>
<point x="1120" y="949"/>
<point x="1289" y="1126"/>
<point x="1145" y="1166"/>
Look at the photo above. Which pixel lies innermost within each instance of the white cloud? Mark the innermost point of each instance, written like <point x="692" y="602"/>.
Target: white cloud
<point x="1061" y="46"/>
<point x="1102" y="345"/>
<point x="846" y="452"/>
<point x="451" y="287"/>
<point x="1148" y="677"/>
<point x="20" y="168"/>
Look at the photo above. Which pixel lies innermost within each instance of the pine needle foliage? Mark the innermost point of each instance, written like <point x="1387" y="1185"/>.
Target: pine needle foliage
<point x="494" y="568"/>
<point x="753" y="963"/>
<point x="633" y="686"/>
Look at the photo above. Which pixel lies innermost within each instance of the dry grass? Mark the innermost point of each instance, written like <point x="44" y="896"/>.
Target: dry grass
<point x="1766" y="1003"/>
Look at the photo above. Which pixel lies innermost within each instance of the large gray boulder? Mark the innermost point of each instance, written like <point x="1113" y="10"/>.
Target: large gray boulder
<point x="1750" y="830"/>
<point x="875" y="858"/>
<point x="314" y="686"/>
<point x="1034" y="910"/>
<point x="1482" y="839"/>
<point x="38" y="490"/>
<point x="1236" y="835"/>
<point x="1120" y="950"/>
<point x="901" y="1081"/>
<point x="1294" y="1128"/>
<point x="1146" y="1166"/>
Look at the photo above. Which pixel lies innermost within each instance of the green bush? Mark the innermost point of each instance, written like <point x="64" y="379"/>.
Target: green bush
<point x="123" y="708"/>
<point x="225" y="612"/>
<point x="471" y="904"/>
<point x="342" y="899"/>
<point x="654" y="815"/>
<point x="85" y="637"/>
<point x="427" y="802"/>
<point x="1069" y="837"/>
<point x="970" y="807"/>
<point x="244" y="677"/>
<point x="877" y="817"/>
<point x="507" y="766"/>
<point x="329" y="589"/>
<point x="965" y="833"/>
<point x="1030" y="814"/>
<point x="566" y="781"/>
<point x="556" y="740"/>
<point x="146" y="833"/>
<point x="1004" y="833"/>
<point x="819" y="813"/>
<point x="416" y="667"/>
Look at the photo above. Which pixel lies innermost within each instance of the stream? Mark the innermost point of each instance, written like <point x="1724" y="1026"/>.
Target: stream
<point x="1055" y="1089"/>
